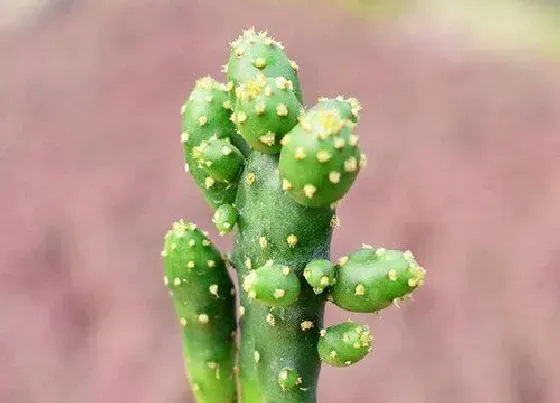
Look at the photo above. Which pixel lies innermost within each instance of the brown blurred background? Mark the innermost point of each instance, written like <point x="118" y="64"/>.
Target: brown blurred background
<point x="461" y="124"/>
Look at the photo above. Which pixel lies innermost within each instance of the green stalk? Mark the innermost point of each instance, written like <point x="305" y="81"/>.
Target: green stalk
<point x="203" y="296"/>
<point x="273" y="226"/>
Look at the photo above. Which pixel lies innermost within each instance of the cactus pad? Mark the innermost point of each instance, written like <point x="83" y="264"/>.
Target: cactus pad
<point x="206" y="115"/>
<point x="319" y="274"/>
<point x="225" y="218"/>
<point x="371" y="279"/>
<point x="344" y="344"/>
<point x="253" y="53"/>
<point x="274" y="285"/>
<point x="201" y="289"/>
<point x="266" y="110"/>
<point x="320" y="158"/>
<point x="221" y="160"/>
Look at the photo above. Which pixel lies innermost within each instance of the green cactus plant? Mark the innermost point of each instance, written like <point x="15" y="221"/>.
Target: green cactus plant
<point x="274" y="170"/>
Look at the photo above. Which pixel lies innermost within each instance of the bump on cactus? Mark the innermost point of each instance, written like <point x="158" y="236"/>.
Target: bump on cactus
<point x="266" y="109"/>
<point x="272" y="170"/>
<point x="344" y="344"/>
<point x="206" y="115"/>
<point x="273" y="285"/>
<point x="225" y="218"/>
<point x="371" y="279"/>
<point x="320" y="158"/>
<point x="219" y="159"/>
<point x="253" y="53"/>
<point x="288" y="379"/>
<point x="319" y="274"/>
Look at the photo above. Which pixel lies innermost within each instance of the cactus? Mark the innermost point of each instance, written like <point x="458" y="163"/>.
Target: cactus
<point x="319" y="274"/>
<point x="344" y="344"/>
<point x="203" y="295"/>
<point x="274" y="171"/>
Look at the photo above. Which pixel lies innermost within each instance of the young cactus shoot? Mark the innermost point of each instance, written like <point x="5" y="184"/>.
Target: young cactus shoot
<point x="272" y="170"/>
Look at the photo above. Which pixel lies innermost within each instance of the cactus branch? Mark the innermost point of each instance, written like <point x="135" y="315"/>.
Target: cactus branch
<point x="203" y="295"/>
<point x="273" y="172"/>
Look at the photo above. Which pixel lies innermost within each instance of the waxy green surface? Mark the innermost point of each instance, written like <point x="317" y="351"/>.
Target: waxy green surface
<point x="344" y="344"/>
<point x="371" y="279"/>
<point x="273" y="338"/>
<point x="274" y="173"/>
<point x="320" y="274"/>
<point x="320" y="158"/>
<point x="266" y="109"/>
<point x="253" y="53"/>
<point x="203" y="296"/>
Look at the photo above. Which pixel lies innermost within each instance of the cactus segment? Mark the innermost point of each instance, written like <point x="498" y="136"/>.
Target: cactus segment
<point x="201" y="289"/>
<point x="272" y="225"/>
<point x="349" y="108"/>
<point x="221" y="160"/>
<point x="274" y="285"/>
<point x="319" y="274"/>
<point x="288" y="379"/>
<point x="254" y="53"/>
<point x="344" y="344"/>
<point x="275" y="173"/>
<point x="266" y="110"/>
<point x="225" y="218"/>
<point x="320" y="159"/>
<point x="206" y="114"/>
<point x="371" y="279"/>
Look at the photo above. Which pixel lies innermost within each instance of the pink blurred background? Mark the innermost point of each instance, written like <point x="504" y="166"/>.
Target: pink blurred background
<point x="463" y="140"/>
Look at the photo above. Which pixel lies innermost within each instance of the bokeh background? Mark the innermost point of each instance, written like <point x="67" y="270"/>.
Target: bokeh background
<point x="461" y="124"/>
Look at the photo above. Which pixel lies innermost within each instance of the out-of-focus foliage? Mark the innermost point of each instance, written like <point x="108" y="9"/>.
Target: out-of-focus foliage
<point x="506" y="24"/>
<point x="511" y="24"/>
<point x="14" y="13"/>
<point x="378" y="9"/>
<point x="463" y="169"/>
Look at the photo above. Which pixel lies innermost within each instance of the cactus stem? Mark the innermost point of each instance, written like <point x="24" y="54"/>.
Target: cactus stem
<point x="306" y="160"/>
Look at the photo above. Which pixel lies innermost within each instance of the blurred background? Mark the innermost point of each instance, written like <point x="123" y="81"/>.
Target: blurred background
<point x="461" y="124"/>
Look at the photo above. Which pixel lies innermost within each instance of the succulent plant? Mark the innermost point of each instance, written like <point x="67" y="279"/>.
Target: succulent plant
<point x="273" y="170"/>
